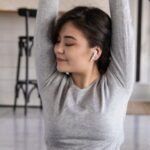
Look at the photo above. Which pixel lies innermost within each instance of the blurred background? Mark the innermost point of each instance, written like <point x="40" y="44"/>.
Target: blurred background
<point x="21" y="121"/>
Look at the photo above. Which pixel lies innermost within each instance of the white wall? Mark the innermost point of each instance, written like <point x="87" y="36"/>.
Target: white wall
<point x="145" y="54"/>
<point x="11" y="26"/>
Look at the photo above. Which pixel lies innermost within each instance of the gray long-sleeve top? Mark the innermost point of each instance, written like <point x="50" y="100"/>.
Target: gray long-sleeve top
<point x="91" y="118"/>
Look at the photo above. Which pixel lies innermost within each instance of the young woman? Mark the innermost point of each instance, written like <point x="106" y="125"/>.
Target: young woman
<point x="85" y="65"/>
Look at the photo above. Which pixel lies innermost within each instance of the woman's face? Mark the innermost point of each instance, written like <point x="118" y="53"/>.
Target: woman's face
<point x="72" y="50"/>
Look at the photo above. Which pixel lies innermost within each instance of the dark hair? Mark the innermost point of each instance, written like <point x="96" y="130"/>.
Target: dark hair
<point x="95" y="25"/>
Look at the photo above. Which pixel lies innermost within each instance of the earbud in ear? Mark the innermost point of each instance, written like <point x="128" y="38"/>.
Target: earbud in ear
<point x="67" y="73"/>
<point x="94" y="55"/>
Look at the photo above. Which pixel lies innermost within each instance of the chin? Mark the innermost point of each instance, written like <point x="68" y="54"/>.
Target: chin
<point x="62" y="70"/>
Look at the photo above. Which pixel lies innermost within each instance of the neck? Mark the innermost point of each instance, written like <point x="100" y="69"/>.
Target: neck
<point x="83" y="80"/>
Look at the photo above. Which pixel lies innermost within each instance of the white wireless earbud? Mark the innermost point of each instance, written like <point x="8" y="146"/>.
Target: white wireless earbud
<point x="94" y="55"/>
<point x="67" y="73"/>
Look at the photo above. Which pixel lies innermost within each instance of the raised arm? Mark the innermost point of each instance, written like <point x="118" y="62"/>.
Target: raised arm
<point x="43" y="47"/>
<point x="121" y="71"/>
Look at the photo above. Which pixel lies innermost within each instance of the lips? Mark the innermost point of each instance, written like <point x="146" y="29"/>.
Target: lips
<point x="60" y="60"/>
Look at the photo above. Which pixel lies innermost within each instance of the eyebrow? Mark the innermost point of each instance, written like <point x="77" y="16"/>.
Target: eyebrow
<point x="70" y="37"/>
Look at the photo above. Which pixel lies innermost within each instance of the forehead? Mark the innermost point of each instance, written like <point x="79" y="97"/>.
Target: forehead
<point x="70" y="29"/>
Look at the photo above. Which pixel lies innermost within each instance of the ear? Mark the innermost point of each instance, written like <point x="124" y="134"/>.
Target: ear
<point x="99" y="52"/>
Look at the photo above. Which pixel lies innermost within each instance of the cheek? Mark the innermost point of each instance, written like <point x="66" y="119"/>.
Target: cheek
<point x="83" y="55"/>
<point x="79" y="57"/>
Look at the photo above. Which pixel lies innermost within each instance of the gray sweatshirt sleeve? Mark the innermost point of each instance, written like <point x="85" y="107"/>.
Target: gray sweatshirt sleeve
<point x="43" y="47"/>
<point x="121" y="71"/>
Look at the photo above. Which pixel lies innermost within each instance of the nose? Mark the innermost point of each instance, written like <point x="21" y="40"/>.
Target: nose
<point x="59" y="48"/>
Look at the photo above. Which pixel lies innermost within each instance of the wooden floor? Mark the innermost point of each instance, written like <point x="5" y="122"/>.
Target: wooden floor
<point x="138" y="108"/>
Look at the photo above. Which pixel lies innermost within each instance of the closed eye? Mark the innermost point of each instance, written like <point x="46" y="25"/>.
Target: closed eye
<point x="69" y="44"/>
